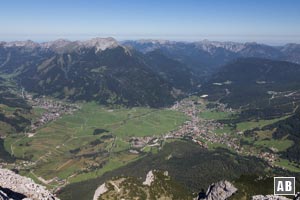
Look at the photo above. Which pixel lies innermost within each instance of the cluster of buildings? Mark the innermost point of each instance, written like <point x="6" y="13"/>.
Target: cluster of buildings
<point x="267" y="156"/>
<point x="53" y="110"/>
<point x="201" y="131"/>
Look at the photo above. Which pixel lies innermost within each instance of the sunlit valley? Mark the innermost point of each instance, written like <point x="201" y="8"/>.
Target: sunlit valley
<point x="109" y="118"/>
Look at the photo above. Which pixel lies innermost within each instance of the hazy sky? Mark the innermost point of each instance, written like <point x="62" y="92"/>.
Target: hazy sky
<point x="269" y="21"/>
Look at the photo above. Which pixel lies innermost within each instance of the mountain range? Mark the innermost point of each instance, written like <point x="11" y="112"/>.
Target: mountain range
<point x="151" y="73"/>
<point x="99" y="69"/>
<point x="254" y="83"/>
<point x="208" y="55"/>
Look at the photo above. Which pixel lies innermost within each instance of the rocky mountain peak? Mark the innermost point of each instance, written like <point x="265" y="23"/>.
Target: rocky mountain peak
<point x="26" y="43"/>
<point x="290" y="47"/>
<point x="100" y="44"/>
<point x="273" y="197"/>
<point x="145" y="41"/>
<point x="56" y="43"/>
<point x="210" y="46"/>
<point x="63" y="45"/>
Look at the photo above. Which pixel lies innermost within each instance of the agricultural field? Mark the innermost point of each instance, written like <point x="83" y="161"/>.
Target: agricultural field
<point x="255" y="136"/>
<point x="279" y="145"/>
<point x="216" y="115"/>
<point x="247" y="125"/>
<point x="293" y="167"/>
<point x="93" y="140"/>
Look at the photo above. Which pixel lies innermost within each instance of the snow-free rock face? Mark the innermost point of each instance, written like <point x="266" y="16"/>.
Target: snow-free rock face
<point x="149" y="178"/>
<point x="158" y="185"/>
<point x="14" y="186"/>
<point x="269" y="197"/>
<point x="212" y="46"/>
<point x="100" y="190"/>
<point x="63" y="46"/>
<point x="59" y="45"/>
<point x="219" y="191"/>
<point x="27" y="43"/>
<point x="273" y="197"/>
<point x="7" y="194"/>
<point x="100" y="43"/>
<point x="66" y="46"/>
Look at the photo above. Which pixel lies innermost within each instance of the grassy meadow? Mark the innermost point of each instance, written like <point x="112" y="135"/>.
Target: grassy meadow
<point x="68" y="146"/>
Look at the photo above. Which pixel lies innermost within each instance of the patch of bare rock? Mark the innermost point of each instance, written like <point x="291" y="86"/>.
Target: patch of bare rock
<point x="13" y="186"/>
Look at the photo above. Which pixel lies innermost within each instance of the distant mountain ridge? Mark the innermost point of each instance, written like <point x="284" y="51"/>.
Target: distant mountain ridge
<point x="209" y="55"/>
<point x="211" y="46"/>
<point x="286" y="52"/>
<point x="99" y="69"/>
<point x="145" y="72"/>
<point x="66" y="45"/>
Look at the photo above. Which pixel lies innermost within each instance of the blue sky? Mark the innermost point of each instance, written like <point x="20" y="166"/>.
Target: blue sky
<point x="269" y="21"/>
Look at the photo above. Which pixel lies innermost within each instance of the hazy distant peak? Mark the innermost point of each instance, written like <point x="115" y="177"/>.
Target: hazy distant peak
<point x="210" y="46"/>
<point x="26" y="43"/>
<point x="56" y="43"/>
<point x="149" y="45"/>
<point x="291" y="46"/>
<point x="252" y="43"/>
<point x="162" y="42"/>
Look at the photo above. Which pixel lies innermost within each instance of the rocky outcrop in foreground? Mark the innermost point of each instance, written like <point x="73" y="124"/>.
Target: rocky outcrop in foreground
<point x="273" y="197"/>
<point x="224" y="189"/>
<point x="14" y="186"/>
<point x="269" y="197"/>
<point x="219" y="191"/>
<point x="100" y="190"/>
<point x="157" y="185"/>
<point x="7" y="194"/>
